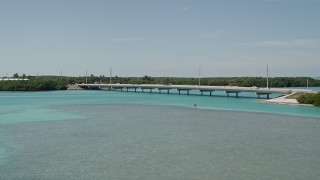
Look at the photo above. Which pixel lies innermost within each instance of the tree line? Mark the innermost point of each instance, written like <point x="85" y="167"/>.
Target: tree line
<point x="43" y="83"/>
<point x="33" y="84"/>
<point x="310" y="98"/>
<point x="210" y="81"/>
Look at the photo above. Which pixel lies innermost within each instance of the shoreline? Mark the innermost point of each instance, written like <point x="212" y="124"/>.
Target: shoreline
<point x="73" y="87"/>
<point x="284" y="100"/>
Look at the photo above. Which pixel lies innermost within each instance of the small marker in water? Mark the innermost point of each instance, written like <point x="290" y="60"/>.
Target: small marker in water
<point x="195" y="105"/>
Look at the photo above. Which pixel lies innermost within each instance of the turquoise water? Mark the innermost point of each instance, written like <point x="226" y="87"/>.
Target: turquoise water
<point x="127" y="135"/>
<point x="20" y="107"/>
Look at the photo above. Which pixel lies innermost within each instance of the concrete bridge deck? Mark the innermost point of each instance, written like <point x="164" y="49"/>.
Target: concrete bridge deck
<point x="227" y="89"/>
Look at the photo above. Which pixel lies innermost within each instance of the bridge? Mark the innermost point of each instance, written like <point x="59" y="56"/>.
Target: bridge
<point x="235" y="90"/>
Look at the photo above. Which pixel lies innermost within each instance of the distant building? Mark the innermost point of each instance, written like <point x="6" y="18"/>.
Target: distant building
<point x="13" y="79"/>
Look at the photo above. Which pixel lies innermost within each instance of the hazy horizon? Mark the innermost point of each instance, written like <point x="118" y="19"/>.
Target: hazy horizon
<point x="107" y="76"/>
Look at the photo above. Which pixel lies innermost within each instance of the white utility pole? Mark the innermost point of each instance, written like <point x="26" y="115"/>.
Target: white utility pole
<point x="86" y="76"/>
<point x="199" y="75"/>
<point x="267" y="76"/>
<point x="110" y="76"/>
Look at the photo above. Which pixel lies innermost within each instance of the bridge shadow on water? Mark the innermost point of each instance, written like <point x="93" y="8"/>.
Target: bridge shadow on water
<point x="219" y="94"/>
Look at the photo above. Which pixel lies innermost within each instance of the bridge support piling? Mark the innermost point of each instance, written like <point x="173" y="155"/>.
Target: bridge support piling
<point x="267" y="94"/>
<point x="263" y="93"/>
<point x="235" y="92"/>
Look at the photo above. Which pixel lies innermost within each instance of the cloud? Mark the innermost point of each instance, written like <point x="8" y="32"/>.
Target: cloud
<point x="292" y="0"/>
<point x="288" y="43"/>
<point x="217" y="33"/>
<point x="274" y="0"/>
<point x="185" y="9"/>
<point x="128" y="39"/>
<point x="210" y="35"/>
<point x="301" y="54"/>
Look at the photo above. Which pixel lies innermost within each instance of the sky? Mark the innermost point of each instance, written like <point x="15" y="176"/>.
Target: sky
<point x="222" y="38"/>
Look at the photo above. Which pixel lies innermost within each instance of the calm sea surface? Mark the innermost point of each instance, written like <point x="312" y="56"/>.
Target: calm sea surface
<point x="126" y="135"/>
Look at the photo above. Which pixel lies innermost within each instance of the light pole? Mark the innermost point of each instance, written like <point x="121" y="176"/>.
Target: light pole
<point x="199" y="75"/>
<point x="110" y="75"/>
<point x="267" y="76"/>
<point x="86" y="76"/>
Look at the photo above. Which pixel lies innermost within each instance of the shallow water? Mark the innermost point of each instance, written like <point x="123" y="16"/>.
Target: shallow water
<point x="114" y="135"/>
<point x="20" y="107"/>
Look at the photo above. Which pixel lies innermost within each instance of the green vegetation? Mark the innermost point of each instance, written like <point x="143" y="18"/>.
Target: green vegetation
<point x="44" y="83"/>
<point x="215" y="81"/>
<point x="309" y="98"/>
<point x="34" y="84"/>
